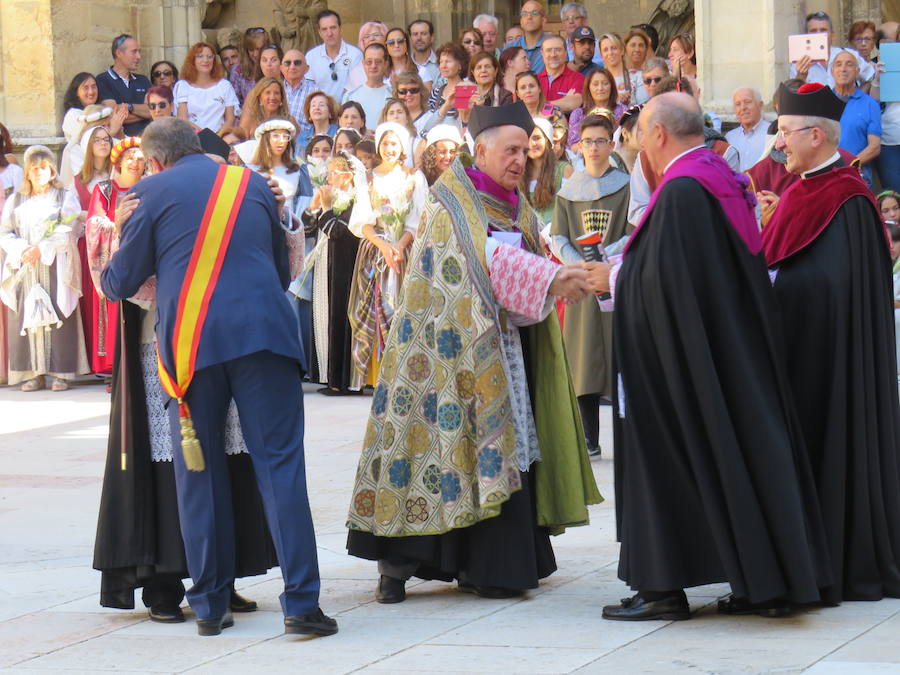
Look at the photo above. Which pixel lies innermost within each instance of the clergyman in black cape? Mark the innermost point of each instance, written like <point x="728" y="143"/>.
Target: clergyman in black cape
<point x="712" y="482"/>
<point x="828" y="247"/>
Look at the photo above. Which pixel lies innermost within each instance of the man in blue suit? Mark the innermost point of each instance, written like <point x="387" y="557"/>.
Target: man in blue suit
<point x="248" y="350"/>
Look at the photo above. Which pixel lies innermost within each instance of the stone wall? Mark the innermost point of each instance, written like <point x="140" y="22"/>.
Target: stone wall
<point x="43" y="43"/>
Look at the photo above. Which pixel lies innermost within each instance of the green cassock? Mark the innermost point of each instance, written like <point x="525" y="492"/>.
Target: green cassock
<point x="587" y="204"/>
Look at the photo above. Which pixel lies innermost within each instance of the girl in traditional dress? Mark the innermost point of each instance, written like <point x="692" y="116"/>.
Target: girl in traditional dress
<point x="441" y="146"/>
<point x="329" y="215"/>
<point x="274" y="158"/>
<point x="395" y="111"/>
<point x="544" y="174"/>
<point x="129" y="165"/>
<point x="97" y="145"/>
<point x="345" y="141"/>
<point x="386" y="216"/>
<point x="41" y="277"/>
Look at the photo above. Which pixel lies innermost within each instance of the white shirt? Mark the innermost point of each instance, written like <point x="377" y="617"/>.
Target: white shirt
<point x="828" y="162"/>
<point x="320" y="67"/>
<point x="428" y="71"/>
<point x="749" y="144"/>
<point x="822" y="73"/>
<point x="890" y="124"/>
<point x="371" y="99"/>
<point x="206" y="106"/>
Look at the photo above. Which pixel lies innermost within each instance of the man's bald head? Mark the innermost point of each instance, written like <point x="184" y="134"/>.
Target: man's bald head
<point x="678" y="113"/>
<point x="669" y="124"/>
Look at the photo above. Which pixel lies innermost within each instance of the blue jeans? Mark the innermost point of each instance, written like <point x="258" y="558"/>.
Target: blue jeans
<point x="888" y="165"/>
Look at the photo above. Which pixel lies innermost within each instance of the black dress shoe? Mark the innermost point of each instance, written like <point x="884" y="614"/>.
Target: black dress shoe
<point x="671" y="608"/>
<point x="166" y="614"/>
<point x="214" y="626"/>
<point x="774" y="609"/>
<point x="390" y="590"/>
<point x="490" y="592"/>
<point x="314" y="623"/>
<point x="239" y="603"/>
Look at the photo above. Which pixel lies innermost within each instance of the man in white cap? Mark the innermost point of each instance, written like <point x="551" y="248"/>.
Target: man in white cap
<point x="473" y="453"/>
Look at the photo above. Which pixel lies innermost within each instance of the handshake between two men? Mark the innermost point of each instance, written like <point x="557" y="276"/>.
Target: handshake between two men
<point x="576" y="280"/>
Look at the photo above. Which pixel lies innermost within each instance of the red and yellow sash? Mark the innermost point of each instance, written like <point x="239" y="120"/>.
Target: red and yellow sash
<point x="196" y="290"/>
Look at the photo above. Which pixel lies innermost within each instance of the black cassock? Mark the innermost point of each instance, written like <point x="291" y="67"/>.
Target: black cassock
<point x="712" y="482"/>
<point x="836" y="300"/>
<point x="139" y="540"/>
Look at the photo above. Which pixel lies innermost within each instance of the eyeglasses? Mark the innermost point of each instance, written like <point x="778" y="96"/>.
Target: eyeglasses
<point x="257" y="29"/>
<point x="863" y="39"/>
<point x="332" y="66"/>
<point x="396" y="41"/>
<point x="785" y="133"/>
<point x="532" y="12"/>
<point x="652" y="80"/>
<point x="408" y="92"/>
<point x="162" y="105"/>
<point x="287" y="63"/>
<point x="280" y="136"/>
<point x="103" y="139"/>
<point x="162" y="73"/>
<point x="595" y="142"/>
<point x="373" y="36"/>
<point x="469" y="41"/>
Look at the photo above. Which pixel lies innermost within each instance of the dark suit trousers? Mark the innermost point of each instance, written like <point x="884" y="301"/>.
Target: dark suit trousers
<point x="266" y="388"/>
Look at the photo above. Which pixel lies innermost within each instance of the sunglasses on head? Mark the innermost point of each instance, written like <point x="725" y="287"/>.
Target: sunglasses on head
<point x="162" y="105"/>
<point x="162" y="73"/>
<point x="257" y="29"/>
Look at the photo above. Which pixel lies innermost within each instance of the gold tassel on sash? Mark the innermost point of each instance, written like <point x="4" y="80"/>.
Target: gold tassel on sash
<point x="190" y="444"/>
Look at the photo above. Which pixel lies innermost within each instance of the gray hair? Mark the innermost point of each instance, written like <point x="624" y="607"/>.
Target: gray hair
<point x="168" y="139"/>
<point x="490" y="18"/>
<point x="654" y="62"/>
<point x="844" y="51"/>
<point x="487" y="137"/>
<point x="831" y="128"/>
<point x="757" y="95"/>
<point x="679" y="114"/>
<point x="570" y="6"/>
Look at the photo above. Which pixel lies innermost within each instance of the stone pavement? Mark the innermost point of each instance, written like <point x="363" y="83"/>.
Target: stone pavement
<point x="52" y="448"/>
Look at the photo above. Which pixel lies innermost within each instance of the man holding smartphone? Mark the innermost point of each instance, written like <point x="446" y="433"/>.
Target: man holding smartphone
<point x="818" y="71"/>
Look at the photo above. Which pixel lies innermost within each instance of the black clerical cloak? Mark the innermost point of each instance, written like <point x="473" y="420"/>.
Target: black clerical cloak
<point x="836" y="297"/>
<point x="711" y="479"/>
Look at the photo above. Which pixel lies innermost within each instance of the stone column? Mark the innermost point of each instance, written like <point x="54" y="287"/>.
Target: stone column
<point x="27" y="70"/>
<point x="743" y="44"/>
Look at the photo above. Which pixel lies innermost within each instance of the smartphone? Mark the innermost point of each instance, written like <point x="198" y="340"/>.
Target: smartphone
<point x="813" y="45"/>
<point x="547" y="110"/>
<point x="463" y="95"/>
